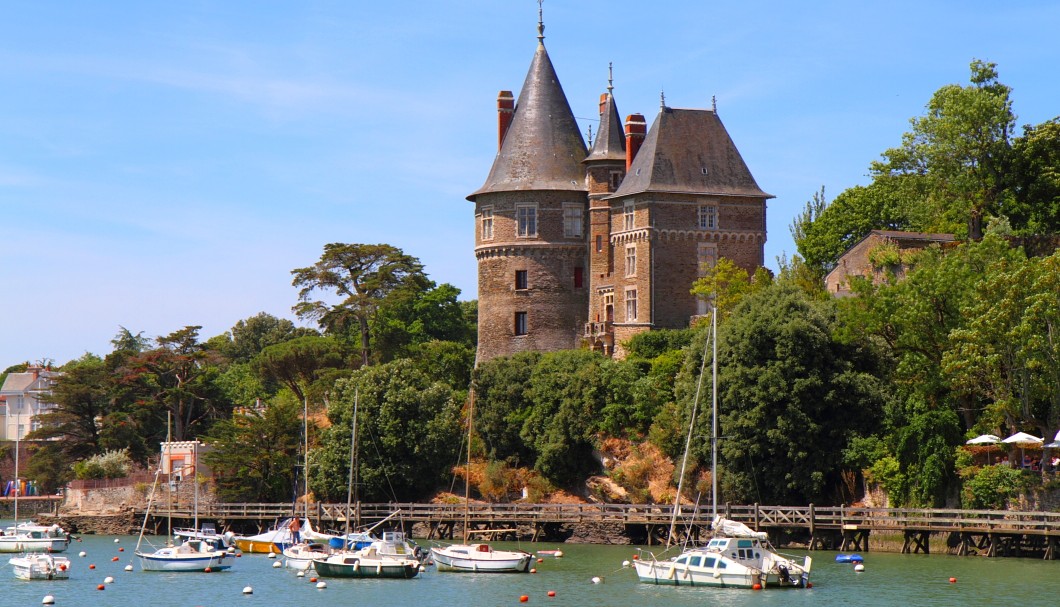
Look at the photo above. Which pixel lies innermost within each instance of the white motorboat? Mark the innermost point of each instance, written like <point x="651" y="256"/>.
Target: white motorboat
<point x="480" y="558"/>
<point x="28" y="537"/>
<point x="390" y="557"/>
<point x="40" y="566"/>
<point x="208" y="533"/>
<point x="737" y="558"/>
<point x="301" y="556"/>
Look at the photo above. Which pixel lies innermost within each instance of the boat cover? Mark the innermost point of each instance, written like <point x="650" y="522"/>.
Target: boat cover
<point x="728" y="528"/>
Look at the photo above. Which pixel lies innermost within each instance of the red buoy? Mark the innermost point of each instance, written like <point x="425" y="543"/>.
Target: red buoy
<point x="551" y="593"/>
<point x="524" y="599"/>
<point x="91" y="566"/>
<point x="207" y="570"/>
<point x="121" y="549"/>
<point x="635" y="557"/>
<point x="115" y="559"/>
<point x="809" y="584"/>
<point x="100" y="587"/>
<point x="533" y="570"/>
<point x="313" y="580"/>
<point x="953" y="580"/>
<point x="756" y="587"/>
<point x="541" y="560"/>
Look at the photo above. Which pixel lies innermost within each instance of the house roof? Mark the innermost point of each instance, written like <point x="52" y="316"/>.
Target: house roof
<point x="542" y="149"/>
<point x="610" y="143"/>
<point x="689" y="151"/>
<point x="911" y="236"/>
<point x="18" y="382"/>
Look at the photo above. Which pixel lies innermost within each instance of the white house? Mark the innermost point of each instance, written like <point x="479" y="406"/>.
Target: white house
<point x="23" y="397"/>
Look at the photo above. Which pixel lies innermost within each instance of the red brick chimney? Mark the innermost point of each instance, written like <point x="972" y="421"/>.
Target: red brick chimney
<point x="505" y="112"/>
<point x="636" y="129"/>
<point x="603" y="102"/>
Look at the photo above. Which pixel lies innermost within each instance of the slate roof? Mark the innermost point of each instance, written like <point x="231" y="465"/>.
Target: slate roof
<point x="610" y="143"/>
<point x="679" y="146"/>
<point x="18" y="382"/>
<point x="543" y="148"/>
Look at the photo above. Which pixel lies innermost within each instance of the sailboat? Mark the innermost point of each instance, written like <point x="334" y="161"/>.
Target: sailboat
<point x="29" y="537"/>
<point x="385" y="558"/>
<point x="736" y="556"/>
<point x="191" y="555"/>
<point x="477" y="557"/>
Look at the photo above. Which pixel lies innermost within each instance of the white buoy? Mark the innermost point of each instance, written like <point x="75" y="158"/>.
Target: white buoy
<point x="248" y="590"/>
<point x="48" y="600"/>
<point x="625" y="564"/>
<point x="128" y="567"/>
<point x="422" y="569"/>
<point x="559" y="554"/>
<point x="108" y="580"/>
<point x="597" y="580"/>
<point x="300" y="573"/>
<point x="116" y="540"/>
<point x="272" y="555"/>
<point x="322" y="585"/>
<point x="277" y="564"/>
<point x="82" y="554"/>
<point x="859" y="568"/>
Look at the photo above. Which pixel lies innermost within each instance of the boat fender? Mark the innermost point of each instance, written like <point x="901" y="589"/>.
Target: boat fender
<point x="356" y="565"/>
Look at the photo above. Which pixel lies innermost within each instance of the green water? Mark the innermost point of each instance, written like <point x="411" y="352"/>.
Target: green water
<point x="889" y="580"/>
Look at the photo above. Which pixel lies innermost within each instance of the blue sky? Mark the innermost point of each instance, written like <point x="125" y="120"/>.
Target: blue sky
<point x="167" y="164"/>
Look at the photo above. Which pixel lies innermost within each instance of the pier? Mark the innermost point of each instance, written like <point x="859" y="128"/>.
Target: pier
<point x="965" y="532"/>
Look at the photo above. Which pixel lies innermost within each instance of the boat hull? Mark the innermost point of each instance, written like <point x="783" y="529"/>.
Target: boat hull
<point x="260" y="546"/>
<point x="355" y="567"/>
<point x="183" y="562"/>
<point x="472" y="562"/>
<point x="40" y="567"/>
<point x="12" y="544"/>
<point x="671" y="574"/>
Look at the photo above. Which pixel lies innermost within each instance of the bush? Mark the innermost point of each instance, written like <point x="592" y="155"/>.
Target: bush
<point x="992" y="487"/>
<point x="109" y="464"/>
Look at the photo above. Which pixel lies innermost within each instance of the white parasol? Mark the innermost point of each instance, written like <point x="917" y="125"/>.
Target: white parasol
<point x="984" y="439"/>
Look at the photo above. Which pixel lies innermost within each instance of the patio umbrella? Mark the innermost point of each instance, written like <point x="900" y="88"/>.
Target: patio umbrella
<point x="1023" y="440"/>
<point x="984" y="439"/>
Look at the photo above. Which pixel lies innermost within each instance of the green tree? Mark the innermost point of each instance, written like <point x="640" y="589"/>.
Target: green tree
<point x="363" y="276"/>
<point x="502" y="404"/>
<point x="1035" y="206"/>
<point x="726" y="284"/>
<point x="256" y="453"/>
<point x="961" y="148"/>
<point x="417" y="314"/>
<point x="408" y="428"/>
<point x="247" y="338"/>
<point x="80" y="399"/>
<point x="793" y="396"/>
<point x="300" y="362"/>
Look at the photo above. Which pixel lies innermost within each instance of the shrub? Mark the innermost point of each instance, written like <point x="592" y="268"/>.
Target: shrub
<point x="992" y="486"/>
<point x="109" y="464"/>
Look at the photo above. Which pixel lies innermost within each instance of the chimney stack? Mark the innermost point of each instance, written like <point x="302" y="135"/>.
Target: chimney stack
<point x="603" y="102"/>
<point x="505" y="113"/>
<point x="636" y="129"/>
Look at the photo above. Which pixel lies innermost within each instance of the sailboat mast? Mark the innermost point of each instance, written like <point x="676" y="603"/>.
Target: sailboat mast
<point x="714" y="416"/>
<point x="18" y="486"/>
<point x="169" y="456"/>
<point x="195" y="480"/>
<point x="467" y="472"/>
<point x="353" y="463"/>
<point x="305" y="452"/>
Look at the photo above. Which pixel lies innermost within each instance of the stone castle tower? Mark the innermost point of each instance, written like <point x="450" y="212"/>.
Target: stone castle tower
<point x="663" y="205"/>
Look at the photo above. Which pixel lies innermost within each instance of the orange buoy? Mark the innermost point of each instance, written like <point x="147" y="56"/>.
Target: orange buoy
<point x="524" y="599"/>
<point x="115" y="559"/>
<point x="207" y="570"/>
<point x="953" y="580"/>
<point x="100" y="587"/>
<point x="91" y="566"/>
<point x="533" y="570"/>
<point x="551" y="593"/>
<point x="121" y="549"/>
<point x="756" y="587"/>
<point x="809" y="584"/>
<point x="313" y="579"/>
<point x="636" y="557"/>
<point x="541" y="560"/>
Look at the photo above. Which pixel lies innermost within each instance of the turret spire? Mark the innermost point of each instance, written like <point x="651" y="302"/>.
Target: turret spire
<point x="540" y="22"/>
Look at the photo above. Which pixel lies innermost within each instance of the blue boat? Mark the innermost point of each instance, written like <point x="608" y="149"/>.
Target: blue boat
<point x="848" y="558"/>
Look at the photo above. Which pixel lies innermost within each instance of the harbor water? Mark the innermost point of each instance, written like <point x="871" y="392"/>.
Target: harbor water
<point x="888" y="580"/>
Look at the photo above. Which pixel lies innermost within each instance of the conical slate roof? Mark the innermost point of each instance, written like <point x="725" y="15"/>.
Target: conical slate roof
<point x="689" y="151"/>
<point x="542" y="149"/>
<point x="610" y="141"/>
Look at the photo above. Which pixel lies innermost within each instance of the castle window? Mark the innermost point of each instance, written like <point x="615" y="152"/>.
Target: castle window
<point x="631" y="260"/>
<point x="579" y="277"/>
<point x="609" y="306"/>
<point x="631" y="305"/>
<point x="572" y="221"/>
<point x="615" y="180"/>
<point x="707" y="217"/>
<point x="487" y="223"/>
<point x="599" y="243"/>
<point x="521" y="283"/>
<point x="520" y="323"/>
<point x="627" y="215"/>
<point x="526" y="218"/>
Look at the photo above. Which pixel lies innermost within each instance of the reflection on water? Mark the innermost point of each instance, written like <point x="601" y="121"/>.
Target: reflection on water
<point x="889" y="580"/>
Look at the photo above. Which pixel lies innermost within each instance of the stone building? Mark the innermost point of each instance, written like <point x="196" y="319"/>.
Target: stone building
<point x="871" y="257"/>
<point x="592" y="246"/>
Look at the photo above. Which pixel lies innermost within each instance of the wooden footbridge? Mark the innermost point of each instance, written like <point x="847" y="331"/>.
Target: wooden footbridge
<point x="966" y="532"/>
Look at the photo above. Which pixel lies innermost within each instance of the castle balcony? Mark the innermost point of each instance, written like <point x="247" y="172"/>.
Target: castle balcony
<point x="597" y="330"/>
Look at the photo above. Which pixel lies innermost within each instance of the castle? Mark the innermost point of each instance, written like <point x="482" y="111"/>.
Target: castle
<point x="592" y="246"/>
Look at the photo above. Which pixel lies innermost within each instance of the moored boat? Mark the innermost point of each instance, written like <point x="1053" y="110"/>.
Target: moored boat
<point x="29" y="537"/>
<point x="40" y="566"/>
<point x="480" y="558"/>
<point x="391" y="557"/>
<point x="279" y="537"/>
<point x="192" y="555"/>
<point x="301" y="556"/>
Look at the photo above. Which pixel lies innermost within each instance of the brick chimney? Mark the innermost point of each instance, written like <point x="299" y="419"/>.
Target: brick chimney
<point x="505" y="112"/>
<point x="603" y="103"/>
<point x="636" y="129"/>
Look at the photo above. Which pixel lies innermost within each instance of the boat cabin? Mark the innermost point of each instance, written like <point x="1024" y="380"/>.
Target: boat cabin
<point x="740" y="549"/>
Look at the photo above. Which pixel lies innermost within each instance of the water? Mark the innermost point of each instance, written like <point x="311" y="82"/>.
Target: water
<point x="889" y="580"/>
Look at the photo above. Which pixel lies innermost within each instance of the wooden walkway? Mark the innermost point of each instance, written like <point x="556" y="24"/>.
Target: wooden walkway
<point x="986" y="532"/>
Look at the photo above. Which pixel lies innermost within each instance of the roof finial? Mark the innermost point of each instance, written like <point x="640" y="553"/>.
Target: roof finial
<point x="662" y="99"/>
<point x="610" y="78"/>
<point x="540" y="22"/>
<point x="590" y="135"/>
<point x="714" y="103"/>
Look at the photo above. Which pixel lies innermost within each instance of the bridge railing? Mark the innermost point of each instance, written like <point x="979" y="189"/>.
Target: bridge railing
<point x="756" y="516"/>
